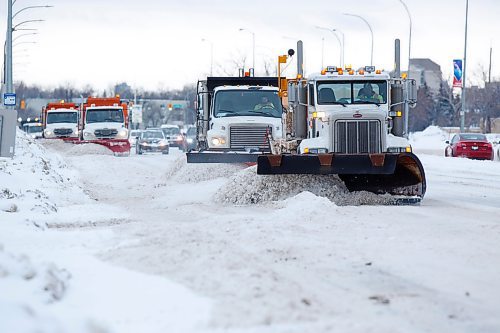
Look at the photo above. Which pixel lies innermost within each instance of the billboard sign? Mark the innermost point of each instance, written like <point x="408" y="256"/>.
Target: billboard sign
<point x="457" y="73"/>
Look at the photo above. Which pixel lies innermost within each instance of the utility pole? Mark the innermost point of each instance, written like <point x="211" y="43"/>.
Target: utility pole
<point x="489" y="69"/>
<point x="462" y="112"/>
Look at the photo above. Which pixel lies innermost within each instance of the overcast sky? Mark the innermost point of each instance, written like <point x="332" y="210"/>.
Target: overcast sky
<point x="157" y="43"/>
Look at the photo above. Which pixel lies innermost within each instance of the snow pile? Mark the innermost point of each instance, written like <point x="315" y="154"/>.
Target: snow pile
<point x="246" y="187"/>
<point x="26" y="290"/>
<point x="35" y="181"/>
<point x="431" y="140"/>
<point x="72" y="149"/>
<point x="182" y="172"/>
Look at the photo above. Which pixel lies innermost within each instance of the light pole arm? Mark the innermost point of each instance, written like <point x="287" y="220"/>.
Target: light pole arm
<point x="371" y="32"/>
<point x="24" y="22"/>
<point x="409" y="41"/>
<point x="29" y="7"/>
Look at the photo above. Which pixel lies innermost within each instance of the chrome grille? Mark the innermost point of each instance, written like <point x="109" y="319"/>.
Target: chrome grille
<point x="241" y="137"/>
<point x="63" y="131"/>
<point x="357" y="136"/>
<point x="105" y="133"/>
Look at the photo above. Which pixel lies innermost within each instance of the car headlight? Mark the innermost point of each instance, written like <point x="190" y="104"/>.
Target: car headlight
<point x="48" y="133"/>
<point x="87" y="134"/>
<point x="123" y="133"/>
<point x="218" y="141"/>
<point x="163" y="143"/>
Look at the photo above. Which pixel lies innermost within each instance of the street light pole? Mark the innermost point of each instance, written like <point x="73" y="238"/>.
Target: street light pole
<point x="253" y="46"/>
<point x="333" y="31"/>
<point x="343" y="45"/>
<point x="371" y="32"/>
<point x="406" y="106"/>
<point x="211" y="54"/>
<point x="462" y="112"/>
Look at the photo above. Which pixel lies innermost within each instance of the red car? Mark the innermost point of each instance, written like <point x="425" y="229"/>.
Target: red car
<point x="470" y="145"/>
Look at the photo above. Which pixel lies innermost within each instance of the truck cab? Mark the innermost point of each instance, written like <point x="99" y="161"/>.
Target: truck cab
<point x="104" y="119"/>
<point x="239" y="114"/>
<point x="60" y="121"/>
<point x="350" y="113"/>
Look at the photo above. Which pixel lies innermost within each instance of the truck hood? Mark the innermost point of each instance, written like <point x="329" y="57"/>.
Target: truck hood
<point x="94" y="126"/>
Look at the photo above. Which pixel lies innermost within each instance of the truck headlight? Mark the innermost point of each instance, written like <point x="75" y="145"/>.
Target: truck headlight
<point x="48" y="133"/>
<point x="123" y="133"/>
<point x="87" y="134"/>
<point x="218" y="141"/>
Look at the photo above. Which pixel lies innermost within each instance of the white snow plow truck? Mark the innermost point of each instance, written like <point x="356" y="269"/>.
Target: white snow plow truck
<point x="236" y="118"/>
<point x="350" y="123"/>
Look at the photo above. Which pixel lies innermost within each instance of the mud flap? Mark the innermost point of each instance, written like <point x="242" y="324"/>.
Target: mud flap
<point x="221" y="157"/>
<point x="396" y="174"/>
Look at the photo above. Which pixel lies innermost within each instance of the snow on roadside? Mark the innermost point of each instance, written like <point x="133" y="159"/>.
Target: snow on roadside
<point x="429" y="141"/>
<point x="38" y="187"/>
<point x="71" y="149"/>
<point x="25" y="289"/>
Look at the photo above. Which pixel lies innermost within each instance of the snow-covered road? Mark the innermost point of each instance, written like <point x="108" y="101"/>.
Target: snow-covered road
<point x="298" y="264"/>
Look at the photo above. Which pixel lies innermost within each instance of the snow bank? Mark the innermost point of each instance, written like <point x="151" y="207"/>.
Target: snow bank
<point x="429" y="141"/>
<point x="27" y="288"/>
<point x="246" y="187"/>
<point x="37" y="184"/>
<point x="72" y="149"/>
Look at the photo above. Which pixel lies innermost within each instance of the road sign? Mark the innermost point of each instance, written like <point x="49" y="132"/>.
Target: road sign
<point x="9" y="99"/>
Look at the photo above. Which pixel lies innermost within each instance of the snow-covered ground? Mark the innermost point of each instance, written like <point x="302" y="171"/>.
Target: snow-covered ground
<point x="94" y="243"/>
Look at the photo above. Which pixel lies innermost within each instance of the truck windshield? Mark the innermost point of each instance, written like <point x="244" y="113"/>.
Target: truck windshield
<point x="104" y="116"/>
<point x="171" y="130"/>
<point x="260" y="103"/>
<point x="62" y="117"/>
<point x="152" y="135"/>
<point x="352" y="92"/>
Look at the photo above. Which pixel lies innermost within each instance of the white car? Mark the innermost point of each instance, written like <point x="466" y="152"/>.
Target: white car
<point x="35" y="130"/>
<point x="134" y="134"/>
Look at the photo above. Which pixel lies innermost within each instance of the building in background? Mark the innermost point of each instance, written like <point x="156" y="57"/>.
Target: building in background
<point x="427" y="73"/>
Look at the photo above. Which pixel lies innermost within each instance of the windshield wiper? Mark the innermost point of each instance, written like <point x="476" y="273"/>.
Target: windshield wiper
<point x="367" y="102"/>
<point x="260" y="112"/>
<point x="336" y="102"/>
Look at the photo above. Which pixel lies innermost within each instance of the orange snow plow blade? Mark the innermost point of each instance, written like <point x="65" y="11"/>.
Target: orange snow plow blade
<point x="397" y="174"/>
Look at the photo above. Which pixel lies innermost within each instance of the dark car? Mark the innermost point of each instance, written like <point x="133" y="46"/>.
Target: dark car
<point x="191" y="138"/>
<point x="470" y="145"/>
<point x="174" y="136"/>
<point x="151" y="141"/>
